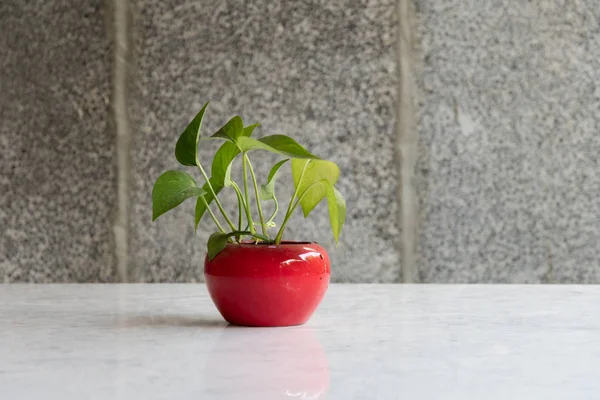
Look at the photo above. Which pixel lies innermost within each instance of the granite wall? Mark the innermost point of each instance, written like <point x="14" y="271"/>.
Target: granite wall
<point x="323" y="72"/>
<point x="508" y="170"/>
<point x="76" y="185"/>
<point x="57" y="146"/>
<point x="465" y="131"/>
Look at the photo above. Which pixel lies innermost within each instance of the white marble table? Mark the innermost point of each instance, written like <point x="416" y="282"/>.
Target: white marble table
<point x="148" y="342"/>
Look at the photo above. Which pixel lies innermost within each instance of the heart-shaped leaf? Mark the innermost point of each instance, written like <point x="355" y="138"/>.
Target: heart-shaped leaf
<point x="225" y="156"/>
<point x="310" y="192"/>
<point x="222" y="161"/>
<point x="218" y="241"/>
<point x="279" y="144"/>
<point x="216" y="244"/>
<point x="208" y="197"/>
<point x="186" y="149"/>
<point x="227" y="182"/>
<point x="170" y="190"/>
<point x="233" y="129"/>
<point x="337" y="210"/>
<point x="267" y="191"/>
<point x="249" y="129"/>
<point x="221" y="168"/>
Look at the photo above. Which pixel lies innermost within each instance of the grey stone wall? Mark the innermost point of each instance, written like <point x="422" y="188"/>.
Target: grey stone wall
<point x="57" y="163"/>
<point x="466" y="132"/>
<point x="323" y="72"/>
<point x="508" y="175"/>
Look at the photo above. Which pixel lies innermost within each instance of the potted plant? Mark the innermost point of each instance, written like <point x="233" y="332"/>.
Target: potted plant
<point x="255" y="278"/>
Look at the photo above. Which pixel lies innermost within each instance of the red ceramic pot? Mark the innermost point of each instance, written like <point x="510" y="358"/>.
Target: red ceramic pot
<point x="268" y="285"/>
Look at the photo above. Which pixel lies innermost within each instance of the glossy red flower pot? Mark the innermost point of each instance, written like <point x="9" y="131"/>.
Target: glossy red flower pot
<point x="268" y="285"/>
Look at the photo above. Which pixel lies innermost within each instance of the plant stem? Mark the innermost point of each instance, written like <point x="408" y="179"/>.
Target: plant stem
<point x="261" y="237"/>
<point x="213" y="216"/>
<point x="260" y="212"/>
<point x="289" y="209"/>
<point x="274" y="211"/>
<point x="241" y="203"/>
<point x="212" y="191"/>
<point x="248" y="213"/>
<point x="247" y="233"/>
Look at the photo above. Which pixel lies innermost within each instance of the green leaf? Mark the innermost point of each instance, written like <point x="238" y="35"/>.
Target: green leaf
<point x="227" y="181"/>
<point x="337" y="211"/>
<point x="221" y="166"/>
<point x="267" y="191"/>
<point x="279" y="144"/>
<point x="233" y="129"/>
<point x="316" y="171"/>
<point x="287" y="146"/>
<point x="170" y="190"/>
<point x="249" y="129"/>
<point x="225" y="156"/>
<point x="222" y="161"/>
<point x="186" y="149"/>
<point x="216" y="244"/>
<point x="218" y="241"/>
<point x="201" y="206"/>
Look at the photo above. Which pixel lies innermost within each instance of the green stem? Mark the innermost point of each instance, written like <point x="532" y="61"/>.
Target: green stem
<point x="256" y="192"/>
<point x="212" y="191"/>
<point x="261" y="237"/>
<point x="289" y="209"/>
<point x="274" y="211"/>
<point x="213" y="216"/>
<point x="248" y="233"/>
<point x="248" y="213"/>
<point x="241" y="203"/>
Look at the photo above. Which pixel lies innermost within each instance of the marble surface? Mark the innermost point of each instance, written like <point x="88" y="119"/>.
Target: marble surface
<point x="57" y="178"/>
<point x="365" y="342"/>
<point x="323" y="72"/>
<point x="508" y="167"/>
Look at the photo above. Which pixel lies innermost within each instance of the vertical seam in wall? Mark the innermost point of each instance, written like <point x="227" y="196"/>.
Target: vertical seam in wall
<point x="123" y="143"/>
<point x="406" y="138"/>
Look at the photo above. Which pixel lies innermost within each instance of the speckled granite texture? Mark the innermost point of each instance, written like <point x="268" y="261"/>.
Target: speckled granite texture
<point x="323" y="72"/>
<point x="57" y="188"/>
<point x="508" y="173"/>
<point x="507" y="176"/>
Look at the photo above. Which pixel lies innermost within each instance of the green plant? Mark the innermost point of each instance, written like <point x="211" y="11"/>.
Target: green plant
<point x="314" y="180"/>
